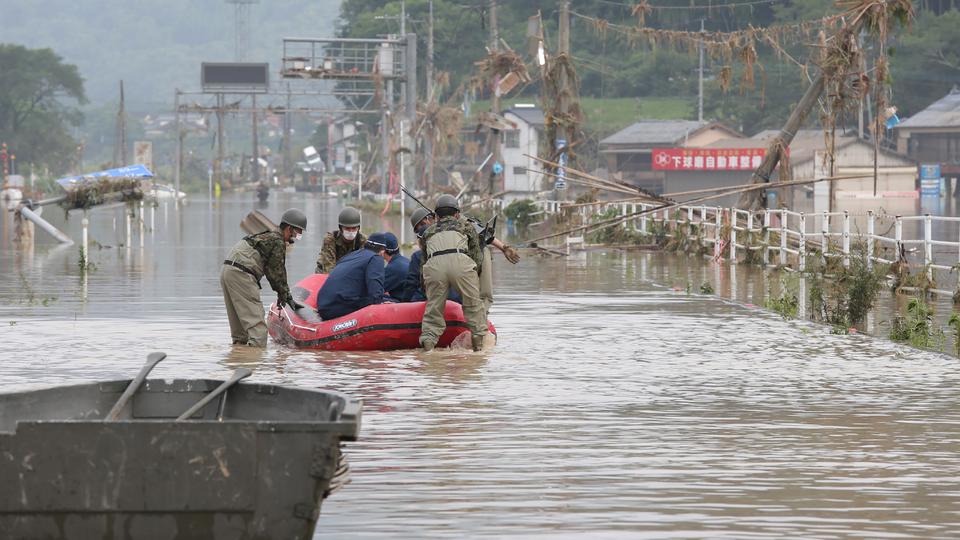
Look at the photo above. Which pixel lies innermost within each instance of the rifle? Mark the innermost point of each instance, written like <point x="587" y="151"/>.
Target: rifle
<point x="486" y="232"/>
<point x="416" y="200"/>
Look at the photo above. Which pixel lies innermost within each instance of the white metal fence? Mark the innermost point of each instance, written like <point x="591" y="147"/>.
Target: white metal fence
<point x="788" y="239"/>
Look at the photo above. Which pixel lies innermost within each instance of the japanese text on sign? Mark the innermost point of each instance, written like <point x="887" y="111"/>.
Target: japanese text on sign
<point x="707" y="159"/>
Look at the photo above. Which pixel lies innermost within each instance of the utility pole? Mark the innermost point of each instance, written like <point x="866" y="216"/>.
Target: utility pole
<point x="430" y="133"/>
<point x="564" y="137"/>
<point x="495" y="108"/>
<point x="286" y="136"/>
<point x="179" y="151"/>
<point x="218" y="163"/>
<point x="700" y="78"/>
<point x="120" y="150"/>
<point x="256" y="142"/>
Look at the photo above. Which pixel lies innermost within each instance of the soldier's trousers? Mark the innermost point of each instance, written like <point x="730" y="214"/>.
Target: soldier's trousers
<point x="486" y="282"/>
<point x="241" y="295"/>
<point x="439" y="274"/>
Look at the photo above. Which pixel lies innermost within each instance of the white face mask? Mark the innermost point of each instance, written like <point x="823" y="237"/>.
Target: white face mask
<point x="349" y="235"/>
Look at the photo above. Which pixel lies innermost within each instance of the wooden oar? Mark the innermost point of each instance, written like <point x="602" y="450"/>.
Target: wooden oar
<point x="239" y="374"/>
<point x="152" y="360"/>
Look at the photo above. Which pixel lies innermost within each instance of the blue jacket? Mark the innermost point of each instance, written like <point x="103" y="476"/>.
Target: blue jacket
<point x="394" y="275"/>
<point x="356" y="282"/>
<point x="414" y="293"/>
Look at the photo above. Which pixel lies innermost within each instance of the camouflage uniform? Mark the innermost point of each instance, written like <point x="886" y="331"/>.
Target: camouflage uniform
<point x="453" y="257"/>
<point x="249" y="261"/>
<point x="335" y="246"/>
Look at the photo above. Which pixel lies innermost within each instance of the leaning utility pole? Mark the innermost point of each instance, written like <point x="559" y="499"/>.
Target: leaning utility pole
<point x="495" y="108"/>
<point x="754" y="199"/>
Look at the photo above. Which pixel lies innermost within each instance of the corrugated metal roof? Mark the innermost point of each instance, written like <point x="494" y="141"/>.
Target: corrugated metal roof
<point x="654" y="132"/>
<point x="530" y="115"/>
<point x="944" y="112"/>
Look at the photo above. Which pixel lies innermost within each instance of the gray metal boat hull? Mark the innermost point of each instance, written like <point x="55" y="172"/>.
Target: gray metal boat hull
<point x="260" y="472"/>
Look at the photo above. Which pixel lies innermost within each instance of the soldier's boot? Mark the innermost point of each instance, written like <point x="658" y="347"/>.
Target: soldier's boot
<point x="428" y="346"/>
<point x="477" y="342"/>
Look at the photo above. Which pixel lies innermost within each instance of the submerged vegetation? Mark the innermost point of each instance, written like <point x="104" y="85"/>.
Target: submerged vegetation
<point x="787" y="302"/>
<point x="918" y="328"/>
<point x="841" y="296"/>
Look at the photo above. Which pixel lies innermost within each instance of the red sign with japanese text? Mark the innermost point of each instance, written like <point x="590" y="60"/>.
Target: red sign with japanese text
<point x="707" y="159"/>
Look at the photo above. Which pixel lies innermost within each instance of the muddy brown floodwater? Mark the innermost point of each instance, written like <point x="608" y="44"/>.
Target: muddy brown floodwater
<point x="612" y="407"/>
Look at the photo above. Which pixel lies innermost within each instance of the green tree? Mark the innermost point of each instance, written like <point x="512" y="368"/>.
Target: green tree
<point x="39" y="95"/>
<point x="925" y="63"/>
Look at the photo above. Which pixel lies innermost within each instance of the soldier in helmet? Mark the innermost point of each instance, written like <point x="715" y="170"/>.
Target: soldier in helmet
<point x="251" y="259"/>
<point x="453" y="256"/>
<point x="338" y="243"/>
<point x="413" y="284"/>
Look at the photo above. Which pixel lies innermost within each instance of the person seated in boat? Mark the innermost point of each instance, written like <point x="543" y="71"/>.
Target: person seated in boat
<point x="396" y="270"/>
<point x="413" y="286"/>
<point x="356" y="282"/>
<point x="336" y="244"/>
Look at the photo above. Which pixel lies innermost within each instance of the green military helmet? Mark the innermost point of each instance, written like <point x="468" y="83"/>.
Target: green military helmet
<point x="418" y="215"/>
<point x="294" y="218"/>
<point x="349" y="217"/>
<point x="448" y="201"/>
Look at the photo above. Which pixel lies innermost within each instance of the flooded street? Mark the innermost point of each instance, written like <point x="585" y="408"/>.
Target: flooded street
<point x="613" y="406"/>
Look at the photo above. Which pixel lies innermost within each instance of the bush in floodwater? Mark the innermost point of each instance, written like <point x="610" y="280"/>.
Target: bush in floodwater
<point x="954" y="323"/>
<point x="917" y="328"/>
<point x="842" y="297"/>
<point x="615" y="234"/>
<point x="521" y="213"/>
<point x="787" y="303"/>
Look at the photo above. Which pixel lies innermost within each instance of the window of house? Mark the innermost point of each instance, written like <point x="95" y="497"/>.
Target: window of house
<point x="519" y="171"/>
<point x="511" y="138"/>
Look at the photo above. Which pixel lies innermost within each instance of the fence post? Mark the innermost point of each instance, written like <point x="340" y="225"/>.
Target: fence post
<point x="766" y="237"/>
<point x="802" y="249"/>
<point x="898" y="237"/>
<point x="734" y="214"/>
<point x="783" y="237"/>
<point x="927" y="246"/>
<point x="846" y="239"/>
<point x="825" y="236"/>
<point x="870" y="229"/>
<point x="717" y="235"/>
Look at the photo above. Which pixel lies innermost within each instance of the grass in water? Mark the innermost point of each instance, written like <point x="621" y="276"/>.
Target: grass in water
<point x="918" y="328"/>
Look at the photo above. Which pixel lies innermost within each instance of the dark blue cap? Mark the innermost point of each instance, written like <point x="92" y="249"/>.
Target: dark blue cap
<point x="377" y="239"/>
<point x="393" y="246"/>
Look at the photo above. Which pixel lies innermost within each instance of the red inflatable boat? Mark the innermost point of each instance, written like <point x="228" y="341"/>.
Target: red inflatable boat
<point x="374" y="328"/>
